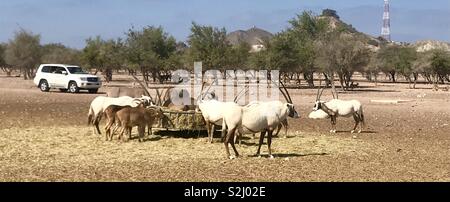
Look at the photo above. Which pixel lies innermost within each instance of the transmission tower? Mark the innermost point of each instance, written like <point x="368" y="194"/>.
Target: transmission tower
<point x="386" y="29"/>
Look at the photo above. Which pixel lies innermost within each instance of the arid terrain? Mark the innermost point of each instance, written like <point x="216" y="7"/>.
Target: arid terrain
<point x="45" y="137"/>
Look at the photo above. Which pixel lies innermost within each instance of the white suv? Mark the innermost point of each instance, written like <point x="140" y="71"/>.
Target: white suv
<point x="65" y="77"/>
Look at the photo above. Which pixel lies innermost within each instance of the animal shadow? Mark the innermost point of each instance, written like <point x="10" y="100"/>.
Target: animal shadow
<point x="291" y="155"/>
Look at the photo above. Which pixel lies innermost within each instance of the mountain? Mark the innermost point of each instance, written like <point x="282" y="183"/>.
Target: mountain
<point x="252" y="36"/>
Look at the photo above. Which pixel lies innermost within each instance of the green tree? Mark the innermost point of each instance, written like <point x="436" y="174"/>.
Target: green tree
<point x="24" y="52"/>
<point x="292" y="51"/>
<point x="238" y="56"/>
<point x="3" y="65"/>
<point x="209" y="46"/>
<point x="58" y="53"/>
<point x="330" y="13"/>
<point x="104" y="55"/>
<point x="151" y="50"/>
<point x="397" y="59"/>
<point x="440" y="66"/>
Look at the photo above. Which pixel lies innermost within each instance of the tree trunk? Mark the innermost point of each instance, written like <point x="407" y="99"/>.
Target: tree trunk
<point x="327" y="80"/>
<point x="309" y="77"/>
<point x="25" y="75"/>
<point x="392" y="74"/>
<point x="341" y="80"/>
<point x="416" y="76"/>
<point x="299" y="81"/>
<point x="375" y="75"/>
<point x="108" y="75"/>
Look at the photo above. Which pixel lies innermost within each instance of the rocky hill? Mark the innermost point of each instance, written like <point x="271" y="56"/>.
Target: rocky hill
<point x="252" y="36"/>
<point x="427" y="45"/>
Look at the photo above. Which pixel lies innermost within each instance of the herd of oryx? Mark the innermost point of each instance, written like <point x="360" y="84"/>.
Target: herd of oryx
<point x="264" y="117"/>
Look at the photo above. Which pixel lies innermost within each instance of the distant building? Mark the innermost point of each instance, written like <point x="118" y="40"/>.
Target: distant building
<point x="254" y="36"/>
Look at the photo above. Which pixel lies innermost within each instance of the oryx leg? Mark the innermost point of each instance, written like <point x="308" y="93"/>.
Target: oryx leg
<point x="361" y="122"/>
<point x="333" y="124"/>
<point x="107" y="131"/>
<point x="129" y="132"/>
<point x="278" y="130"/>
<point x="116" y="127"/>
<point x="284" y="124"/>
<point x="223" y="133"/>
<point x="261" y="141"/>
<point x="286" y="127"/>
<point x="238" y="138"/>
<point x="208" y="130"/>
<point x="269" y="142"/>
<point x="97" y="122"/>
<point x="232" y="143"/>
<point x="356" y="118"/>
<point x="141" y="131"/>
<point x="228" y="139"/>
<point x="122" y="133"/>
<point x="211" y="138"/>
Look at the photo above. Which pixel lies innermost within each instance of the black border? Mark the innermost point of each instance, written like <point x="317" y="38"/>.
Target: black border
<point x="272" y="191"/>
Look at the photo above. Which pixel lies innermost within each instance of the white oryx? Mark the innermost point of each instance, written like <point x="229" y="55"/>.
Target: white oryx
<point x="256" y="117"/>
<point x="337" y="107"/>
<point x="100" y="103"/>
<point x="212" y="110"/>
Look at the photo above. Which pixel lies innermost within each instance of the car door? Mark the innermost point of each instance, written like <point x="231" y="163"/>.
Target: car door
<point x="58" y="77"/>
<point x="61" y="79"/>
<point x="50" y="76"/>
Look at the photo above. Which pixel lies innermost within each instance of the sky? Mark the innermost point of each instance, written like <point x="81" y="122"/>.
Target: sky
<point x="71" y="22"/>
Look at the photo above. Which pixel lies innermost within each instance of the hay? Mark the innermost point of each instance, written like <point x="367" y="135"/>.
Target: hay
<point x="181" y="120"/>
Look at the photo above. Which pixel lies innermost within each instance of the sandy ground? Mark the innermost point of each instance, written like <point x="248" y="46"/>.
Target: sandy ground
<point x="45" y="137"/>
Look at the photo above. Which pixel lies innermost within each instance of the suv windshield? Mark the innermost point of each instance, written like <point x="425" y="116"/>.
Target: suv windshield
<point x="76" y="70"/>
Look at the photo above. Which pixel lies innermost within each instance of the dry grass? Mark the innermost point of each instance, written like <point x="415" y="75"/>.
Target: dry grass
<point x="403" y="142"/>
<point x="73" y="154"/>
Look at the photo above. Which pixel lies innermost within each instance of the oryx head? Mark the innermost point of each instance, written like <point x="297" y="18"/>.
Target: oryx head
<point x="318" y="103"/>
<point x="147" y="100"/>
<point x="292" y="112"/>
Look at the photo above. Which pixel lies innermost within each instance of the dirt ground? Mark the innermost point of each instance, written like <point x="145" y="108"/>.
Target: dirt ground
<point x="45" y="137"/>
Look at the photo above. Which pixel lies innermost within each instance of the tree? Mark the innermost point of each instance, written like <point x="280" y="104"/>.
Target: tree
<point x="151" y="50"/>
<point x="440" y="65"/>
<point x="104" y="55"/>
<point x="24" y="52"/>
<point x="238" y="56"/>
<point x="330" y="13"/>
<point x="397" y="59"/>
<point x="208" y="45"/>
<point x="58" y="53"/>
<point x="292" y="51"/>
<point x="341" y="54"/>
<point x="3" y="65"/>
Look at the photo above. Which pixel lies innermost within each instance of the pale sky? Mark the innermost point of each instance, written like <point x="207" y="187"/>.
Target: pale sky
<point x="70" y="22"/>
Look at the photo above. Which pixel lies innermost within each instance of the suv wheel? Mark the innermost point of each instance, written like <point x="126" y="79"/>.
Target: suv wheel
<point x="43" y="85"/>
<point x="93" y="90"/>
<point x="73" y="88"/>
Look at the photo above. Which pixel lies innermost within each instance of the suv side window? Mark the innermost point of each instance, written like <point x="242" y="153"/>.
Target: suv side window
<point x="46" y="69"/>
<point x="58" y="70"/>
